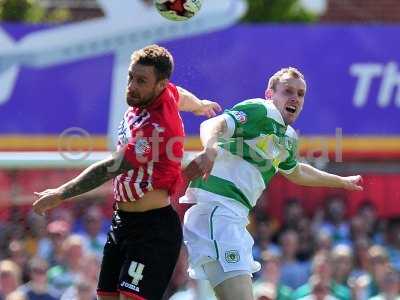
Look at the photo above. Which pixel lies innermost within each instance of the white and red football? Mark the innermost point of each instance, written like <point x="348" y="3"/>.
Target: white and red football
<point x="178" y="10"/>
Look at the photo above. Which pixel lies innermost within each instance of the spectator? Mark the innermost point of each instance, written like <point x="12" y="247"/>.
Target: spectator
<point x="393" y="242"/>
<point x="269" y="286"/>
<point x="320" y="290"/>
<point x="91" y="268"/>
<point x="334" y="223"/>
<point x="82" y="289"/>
<point x="85" y="283"/>
<point x="63" y="275"/>
<point x="322" y="270"/>
<point x="17" y="253"/>
<point x="324" y="242"/>
<point x="361" y="257"/>
<point x="305" y="233"/>
<point x="293" y="213"/>
<point x="358" y="228"/>
<point x="50" y="248"/>
<point x="10" y="277"/>
<point x="368" y="214"/>
<point x="293" y="272"/>
<point x="63" y="214"/>
<point x="390" y="287"/>
<point x="93" y="237"/>
<point x="342" y="258"/>
<point x="263" y="240"/>
<point x="35" y="231"/>
<point x="37" y="288"/>
<point x="379" y="265"/>
<point x="16" y="295"/>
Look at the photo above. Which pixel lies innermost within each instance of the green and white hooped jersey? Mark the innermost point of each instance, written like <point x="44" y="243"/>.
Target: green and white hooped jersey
<point x="259" y="145"/>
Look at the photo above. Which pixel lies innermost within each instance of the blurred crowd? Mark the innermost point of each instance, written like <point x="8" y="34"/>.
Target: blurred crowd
<point x="326" y="255"/>
<point x="57" y="257"/>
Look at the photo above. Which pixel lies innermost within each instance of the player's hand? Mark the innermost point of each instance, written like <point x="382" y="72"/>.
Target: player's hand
<point x="202" y="165"/>
<point x="208" y="109"/>
<point x="48" y="199"/>
<point x="353" y="183"/>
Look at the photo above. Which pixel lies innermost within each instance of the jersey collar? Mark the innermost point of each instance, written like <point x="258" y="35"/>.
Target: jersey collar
<point x="275" y="114"/>
<point x="157" y="102"/>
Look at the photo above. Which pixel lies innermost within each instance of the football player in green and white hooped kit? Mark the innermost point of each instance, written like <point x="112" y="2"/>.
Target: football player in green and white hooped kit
<point x="243" y="149"/>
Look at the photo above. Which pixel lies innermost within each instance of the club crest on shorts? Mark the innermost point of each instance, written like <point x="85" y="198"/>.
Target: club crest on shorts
<point x="232" y="256"/>
<point x="240" y="116"/>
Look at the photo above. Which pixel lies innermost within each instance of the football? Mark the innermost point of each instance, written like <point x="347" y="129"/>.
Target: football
<point x="178" y="10"/>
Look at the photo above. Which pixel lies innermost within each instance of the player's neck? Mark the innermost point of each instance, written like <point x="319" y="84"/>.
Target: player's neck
<point x="151" y="101"/>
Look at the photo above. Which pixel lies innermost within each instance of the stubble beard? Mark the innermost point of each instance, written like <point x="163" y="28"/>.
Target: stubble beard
<point x="141" y="102"/>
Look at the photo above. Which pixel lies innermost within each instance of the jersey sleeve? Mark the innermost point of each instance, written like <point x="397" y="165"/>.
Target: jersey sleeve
<point x="173" y="90"/>
<point x="148" y="145"/>
<point x="290" y="164"/>
<point x="245" y="118"/>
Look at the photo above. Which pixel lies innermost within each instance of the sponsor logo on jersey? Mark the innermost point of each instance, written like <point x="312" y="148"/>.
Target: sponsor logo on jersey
<point x="142" y="146"/>
<point x="232" y="256"/>
<point x="240" y="116"/>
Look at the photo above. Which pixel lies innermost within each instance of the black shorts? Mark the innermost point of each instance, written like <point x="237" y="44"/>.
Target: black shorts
<point x="140" y="254"/>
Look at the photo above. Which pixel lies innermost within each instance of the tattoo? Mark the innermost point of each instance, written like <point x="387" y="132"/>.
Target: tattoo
<point x="95" y="175"/>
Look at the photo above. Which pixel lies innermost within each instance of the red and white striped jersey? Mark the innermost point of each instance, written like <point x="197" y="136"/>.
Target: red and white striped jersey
<point x="153" y="139"/>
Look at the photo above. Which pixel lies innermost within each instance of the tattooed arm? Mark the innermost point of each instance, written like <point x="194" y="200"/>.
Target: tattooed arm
<point x="95" y="175"/>
<point x="91" y="178"/>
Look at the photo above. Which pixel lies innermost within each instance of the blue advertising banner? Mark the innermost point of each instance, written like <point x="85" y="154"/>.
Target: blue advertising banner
<point x="352" y="73"/>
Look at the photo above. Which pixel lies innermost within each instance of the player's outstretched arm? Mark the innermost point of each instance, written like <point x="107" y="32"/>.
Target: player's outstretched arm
<point x="91" y="178"/>
<point x="307" y="175"/>
<point x="189" y="102"/>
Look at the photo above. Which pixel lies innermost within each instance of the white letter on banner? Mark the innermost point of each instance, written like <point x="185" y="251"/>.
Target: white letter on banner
<point x="390" y="80"/>
<point x="365" y="73"/>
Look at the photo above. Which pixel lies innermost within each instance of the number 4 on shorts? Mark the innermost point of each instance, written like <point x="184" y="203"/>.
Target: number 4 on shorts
<point x="135" y="271"/>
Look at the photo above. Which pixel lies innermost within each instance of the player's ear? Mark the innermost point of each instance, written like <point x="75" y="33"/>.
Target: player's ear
<point x="162" y="84"/>
<point x="268" y="93"/>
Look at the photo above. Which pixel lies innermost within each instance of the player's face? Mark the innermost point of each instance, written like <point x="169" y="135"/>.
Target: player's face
<point x="288" y="97"/>
<point x="143" y="86"/>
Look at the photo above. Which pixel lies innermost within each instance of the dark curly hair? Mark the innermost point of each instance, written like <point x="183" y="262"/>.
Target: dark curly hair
<point x="156" y="56"/>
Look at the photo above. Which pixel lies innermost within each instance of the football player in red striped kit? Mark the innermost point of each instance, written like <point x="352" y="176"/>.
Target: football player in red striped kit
<point x="145" y="235"/>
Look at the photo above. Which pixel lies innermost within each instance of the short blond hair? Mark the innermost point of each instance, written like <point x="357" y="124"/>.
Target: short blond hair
<point x="72" y="240"/>
<point x="377" y="251"/>
<point x="274" y="79"/>
<point x="340" y="251"/>
<point x="16" y="295"/>
<point x="8" y="266"/>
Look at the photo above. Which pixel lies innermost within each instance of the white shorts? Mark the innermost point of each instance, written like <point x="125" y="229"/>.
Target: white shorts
<point x="214" y="233"/>
<point x="215" y="274"/>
